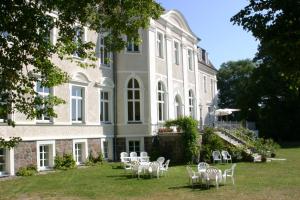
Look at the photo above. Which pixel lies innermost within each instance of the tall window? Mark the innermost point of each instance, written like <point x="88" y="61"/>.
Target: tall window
<point x="161" y="102"/>
<point x="190" y="59"/>
<point x="77" y="103"/>
<point x="133" y="101"/>
<point x="2" y="161"/>
<point x="134" y="146"/>
<point x="43" y="92"/>
<point x="204" y="84"/>
<point x="104" y="54"/>
<point x="191" y="104"/>
<point x="44" y="156"/>
<point x="132" y="46"/>
<point x="203" y="53"/>
<point x="176" y="53"/>
<point x="78" y="153"/>
<point x="104" y="106"/>
<point x="178" y="106"/>
<point x="160" y="45"/>
<point x="78" y="39"/>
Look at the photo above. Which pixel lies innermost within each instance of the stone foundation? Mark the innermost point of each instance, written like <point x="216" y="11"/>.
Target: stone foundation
<point x="94" y="147"/>
<point x="63" y="147"/>
<point x="25" y="154"/>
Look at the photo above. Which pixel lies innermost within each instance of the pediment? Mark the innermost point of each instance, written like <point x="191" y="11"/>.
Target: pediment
<point x="80" y="78"/>
<point x="177" y="19"/>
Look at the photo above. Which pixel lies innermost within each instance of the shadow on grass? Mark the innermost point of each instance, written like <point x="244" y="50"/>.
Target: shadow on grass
<point x="287" y="145"/>
<point x="198" y="186"/>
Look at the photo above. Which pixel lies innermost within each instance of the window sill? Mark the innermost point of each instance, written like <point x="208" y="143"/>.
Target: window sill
<point x="78" y="123"/>
<point x="137" y="122"/>
<point x="105" y="66"/>
<point x="38" y="122"/>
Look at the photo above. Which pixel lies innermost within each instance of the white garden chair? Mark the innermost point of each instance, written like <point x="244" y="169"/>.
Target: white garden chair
<point x="165" y="167"/>
<point x="216" y="156"/>
<point x="160" y="160"/>
<point x="133" y="156"/>
<point x="154" y="169"/>
<point x="136" y="169"/>
<point x="226" y="156"/>
<point x="193" y="178"/>
<point x="144" y="157"/>
<point x="202" y="166"/>
<point x="229" y="173"/>
<point x="213" y="175"/>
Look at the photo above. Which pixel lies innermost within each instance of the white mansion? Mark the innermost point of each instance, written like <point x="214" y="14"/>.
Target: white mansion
<point x="118" y="106"/>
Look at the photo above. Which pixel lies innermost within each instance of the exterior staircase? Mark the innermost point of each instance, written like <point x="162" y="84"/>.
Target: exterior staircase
<point x="238" y="142"/>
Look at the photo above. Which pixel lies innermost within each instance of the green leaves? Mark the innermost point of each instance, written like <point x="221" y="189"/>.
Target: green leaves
<point x="33" y="32"/>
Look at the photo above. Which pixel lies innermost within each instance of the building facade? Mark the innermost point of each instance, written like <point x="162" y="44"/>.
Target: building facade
<point x="119" y="105"/>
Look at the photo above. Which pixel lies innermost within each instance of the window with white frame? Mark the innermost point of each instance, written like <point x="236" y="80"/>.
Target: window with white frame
<point x="78" y="150"/>
<point x="160" y="45"/>
<point x="77" y="104"/>
<point x="2" y="161"/>
<point x="190" y="59"/>
<point x="191" y="104"/>
<point x="204" y="84"/>
<point x="78" y="38"/>
<point x="134" y="146"/>
<point x="104" y="53"/>
<point x="133" y="101"/>
<point x="132" y="47"/>
<point x="44" y="156"/>
<point x="105" y="149"/>
<point x="43" y="93"/>
<point x="104" y="107"/>
<point x="161" y="101"/>
<point x="176" y="53"/>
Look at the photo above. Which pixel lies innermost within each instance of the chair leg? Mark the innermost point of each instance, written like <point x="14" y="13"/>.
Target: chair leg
<point x="232" y="180"/>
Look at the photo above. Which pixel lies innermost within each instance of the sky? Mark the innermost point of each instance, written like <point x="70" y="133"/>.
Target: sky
<point x="210" y="21"/>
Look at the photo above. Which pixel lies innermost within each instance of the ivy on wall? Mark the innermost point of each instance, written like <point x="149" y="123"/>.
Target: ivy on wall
<point x="190" y="136"/>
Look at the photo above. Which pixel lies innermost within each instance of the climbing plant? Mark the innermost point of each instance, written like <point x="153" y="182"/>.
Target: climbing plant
<point x="190" y="136"/>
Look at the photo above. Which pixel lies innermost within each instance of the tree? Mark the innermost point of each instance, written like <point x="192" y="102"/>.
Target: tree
<point x="26" y="50"/>
<point x="233" y="84"/>
<point x="276" y="24"/>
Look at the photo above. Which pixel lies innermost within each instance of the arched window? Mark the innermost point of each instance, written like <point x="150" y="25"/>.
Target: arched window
<point x="133" y="101"/>
<point x="178" y="107"/>
<point x="161" y="102"/>
<point x="191" y="104"/>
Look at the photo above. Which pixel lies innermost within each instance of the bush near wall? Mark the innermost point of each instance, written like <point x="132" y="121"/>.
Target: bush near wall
<point x="64" y="162"/>
<point x="30" y="170"/>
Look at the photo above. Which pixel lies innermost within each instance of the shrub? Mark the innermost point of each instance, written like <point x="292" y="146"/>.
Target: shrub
<point x="64" y="162"/>
<point x="94" y="160"/>
<point x="266" y="147"/>
<point x="30" y="170"/>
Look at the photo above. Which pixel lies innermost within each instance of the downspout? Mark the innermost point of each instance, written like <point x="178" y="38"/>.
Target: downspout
<point x="115" y="129"/>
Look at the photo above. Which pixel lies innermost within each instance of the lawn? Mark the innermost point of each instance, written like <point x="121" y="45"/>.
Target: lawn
<point x="273" y="181"/>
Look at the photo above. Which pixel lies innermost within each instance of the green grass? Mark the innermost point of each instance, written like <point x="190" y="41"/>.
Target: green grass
<point x="274" y="180"/>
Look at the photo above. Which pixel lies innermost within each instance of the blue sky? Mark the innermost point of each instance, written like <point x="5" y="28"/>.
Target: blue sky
<point x="210" y="21"/>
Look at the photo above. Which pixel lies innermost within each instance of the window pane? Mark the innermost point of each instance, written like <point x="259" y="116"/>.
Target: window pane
<point x="79" y="110"/>
<point x="130" y="111"/>
<point x="136" y="84"/>
<point x="137" y="94"/>
<point x="137" y="111"/>
<point x="106" y="111"/>
<point x="73" y="109"/>
<point x="130" y="96"/>
<point x="102" y="111"/>
<point x="39" y="88"/>
<point x="106" y="95"/>
<point x="136" y="47"/>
